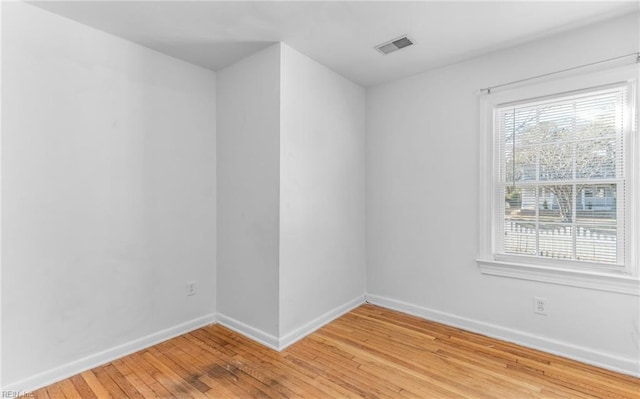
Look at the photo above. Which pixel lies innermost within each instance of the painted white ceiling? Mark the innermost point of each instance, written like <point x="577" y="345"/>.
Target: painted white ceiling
<point x="338" y="34"/>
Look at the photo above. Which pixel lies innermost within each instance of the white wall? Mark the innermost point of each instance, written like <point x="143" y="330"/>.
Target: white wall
<point x="248" y="128"/>
<point x="108" y="195"/>
<point x="290" y="195"/>
<point x="322" y="249"/>
<point x="422" y="206"/>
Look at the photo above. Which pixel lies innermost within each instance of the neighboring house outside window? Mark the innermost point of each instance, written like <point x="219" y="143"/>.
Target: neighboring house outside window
<point x="559" y="181"/>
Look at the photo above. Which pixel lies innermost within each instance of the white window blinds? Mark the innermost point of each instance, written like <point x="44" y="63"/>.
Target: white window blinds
<point x="560" y="177"/>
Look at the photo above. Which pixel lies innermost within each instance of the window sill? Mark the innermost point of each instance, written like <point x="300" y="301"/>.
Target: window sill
<point x="622" y="284"/>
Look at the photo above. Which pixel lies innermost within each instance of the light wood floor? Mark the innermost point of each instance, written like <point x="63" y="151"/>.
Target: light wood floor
<point x="370" y="352"/>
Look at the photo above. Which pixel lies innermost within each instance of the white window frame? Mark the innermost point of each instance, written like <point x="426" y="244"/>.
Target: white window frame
<point x="624" y="279"/>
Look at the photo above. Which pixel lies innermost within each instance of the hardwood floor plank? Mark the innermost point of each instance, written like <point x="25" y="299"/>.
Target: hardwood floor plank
<point x="234" y="373"/>
<point x="55" y="392"/>
<point x="159" y="353"/>
<point x="277" y="381"/>
<point x="211" y="366"/>
<point x="41" y="394"/>
<point x="159" y="382"/>
<point x="275" y="362"/>
<point x="371" y="352"/>
<point x="347" y="370"/>
<point x="96" y="386"/>
<point x="405" y="361"/>
<point x="104" y="378"/>
<point x="69" y="390"/>
<point x="117" y="377"/>
<point x="82" y="387"/>
<point x="137" y="371"/>
<point x="448" y="387"/>
<point x="333" y="385"/>
<point x="145" y="390"/>
<point x="170" y="379"/>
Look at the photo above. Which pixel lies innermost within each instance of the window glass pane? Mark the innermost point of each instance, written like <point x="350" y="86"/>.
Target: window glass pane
<point x="555" y="240"/>
<point x="556" y="123"/>
<point x="519" y="237"/>
<point x="594" y="129"/>
<point x="511" y="175"/>
<point x="596" y="115"/>
<point x="596" y="159"/>
<point x="556" y="161"/>
<point x="528" y="207"/>
<point x="596" y="204"/>
<point x="519" y="222"/>
<point x="548" y="208"/>
<point x="523" y="164"/>
<point x="525" y="125"/>
<point x="513" y="202"/>
<point x="508" y="130"/>
<point x="596" y="243"/>
<point x="548" y="150"/>
<point x="555" y="203"/>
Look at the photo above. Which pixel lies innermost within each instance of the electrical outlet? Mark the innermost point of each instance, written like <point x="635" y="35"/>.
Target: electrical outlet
<point x="191" y="288"/>
<point x="539" y="305"/>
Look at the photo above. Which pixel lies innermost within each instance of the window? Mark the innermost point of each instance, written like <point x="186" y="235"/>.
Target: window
<point x="558" y="183"/>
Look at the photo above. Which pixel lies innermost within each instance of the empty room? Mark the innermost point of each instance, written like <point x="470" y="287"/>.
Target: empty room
<point x="319" y="199"/>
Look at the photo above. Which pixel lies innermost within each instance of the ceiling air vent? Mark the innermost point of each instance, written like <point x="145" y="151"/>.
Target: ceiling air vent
<point x="394" y="45"/>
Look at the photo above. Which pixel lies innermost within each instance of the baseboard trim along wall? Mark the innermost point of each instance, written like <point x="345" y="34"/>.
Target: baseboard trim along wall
<point x="301" y="332"/>
<point x="78" y="366"/>
<point x="266" y="339"/>
<point x="582" y="354"/>
<point x="87" y="363"/>
<point x="611" y="362"/>
<point x="279" y="344"/>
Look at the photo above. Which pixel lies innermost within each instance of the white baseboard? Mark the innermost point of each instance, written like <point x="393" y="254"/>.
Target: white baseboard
<point x="266" y="339"/>
<point x="604" y="360"/>
<point x="301" y="332"/>
<point x="279" y="344"/>
<point x="78" y="366"/>
<point x="600" y="359"/>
